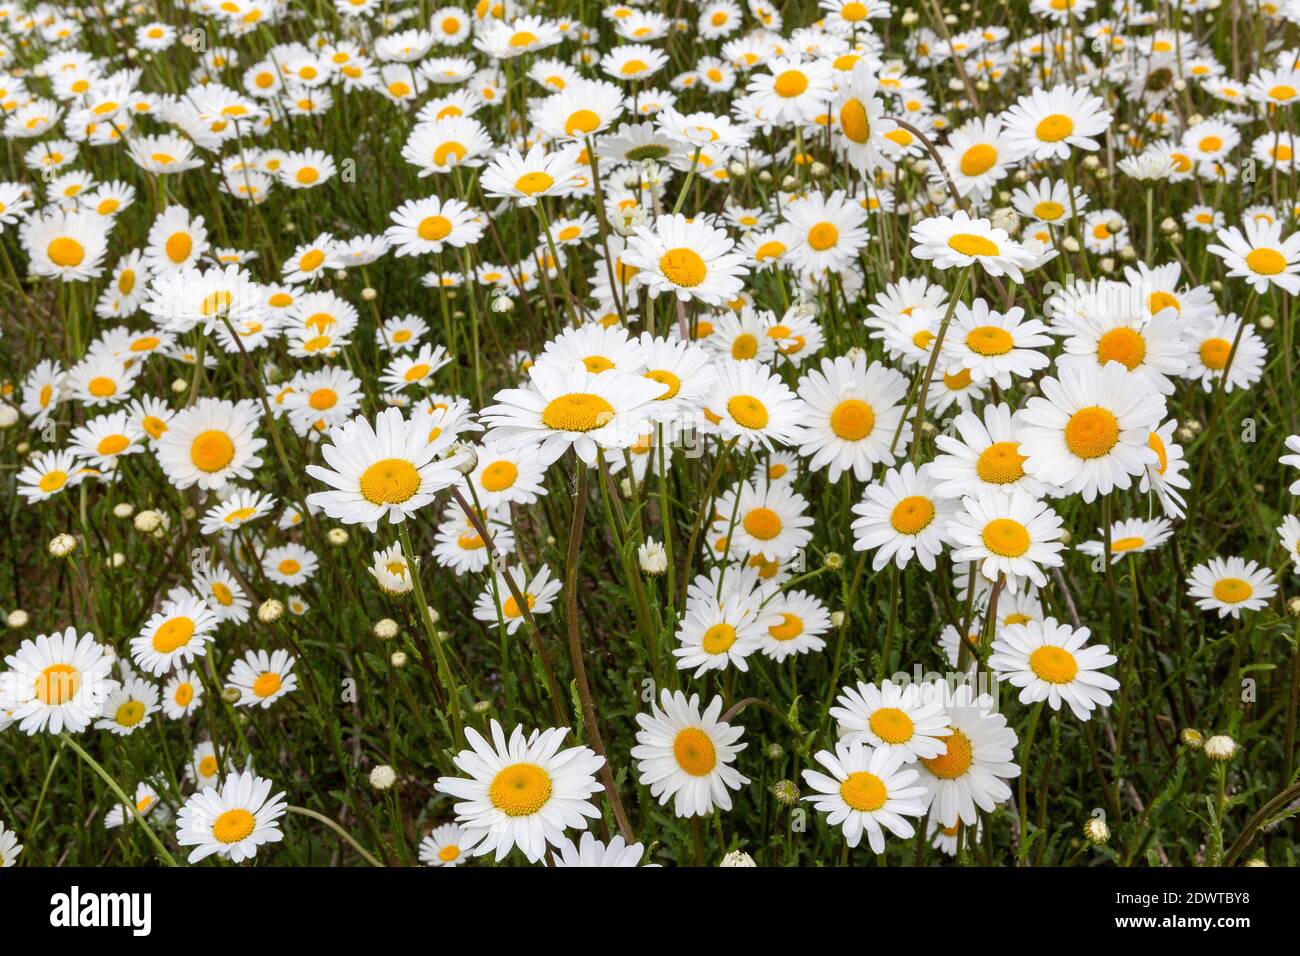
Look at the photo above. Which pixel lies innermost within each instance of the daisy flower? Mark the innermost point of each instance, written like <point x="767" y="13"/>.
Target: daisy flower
<point x="749" y="402"/>
<point x="525" y="792"/>
<point x="771" y="520"/>
<point x="891" y="718"/>
<point x="688" y="258"/>
<point x="830" y="231"/>
<point x="1128" y="536"/>
<point x="994" y="346"/>
<point x="243" y="506"/>
<point x="128" y="707"/>
<point x="958" y="240"/>
<point x="1231" y="586"/>
<point x="512" y="175"/>
<point x="1052" y="662"/>
<point x="507" y="475"/>
<point x="426" y="226"/>
<point x="984" y="455"/>
<point x="902" y="517"/>
<point x="1088" y="431"/>
<point x="721" y="628"/>
<point x="449" y="845"/>
<point x="685" y="756"/>
<point x="262" y="678"/>
<point x="68" y="246"/>
<point x="182" y="694"/>
<point x="175" y="635"/>
<point x="9" y="847"/>
<point x="803" y="619"/>
<point x="791" y="91"/>
<point x="590" y="852"/>
<point x="56" y="682"/>
<point x="976" y="762"/>
<point x="1049" y="201"/>
<point x="233" y="821"/>
<point x="1046" y="123"/>
<point x="388" y="470"/>
<point x="1010" y="534"/>
<point x="868" y="790"/>
<point x="497" y="603"/>
<point x="1228" y="351"/>
<point x="47" y="473"/>
<point x="573" y="407"/>
<point x="211" y="443"/>
<point x="1260" y="256"/>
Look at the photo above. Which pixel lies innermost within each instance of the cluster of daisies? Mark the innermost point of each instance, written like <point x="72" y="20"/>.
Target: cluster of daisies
<point x="705" y="280"/>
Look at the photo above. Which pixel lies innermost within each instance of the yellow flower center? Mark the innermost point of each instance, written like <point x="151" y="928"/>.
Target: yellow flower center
<point x="854" y="121"/>
<point x="1055" y="665"/>
<point x="53" y="481"/>
<point x="581" y="121"/>
<point x="520" y="790"/>
<point x="863" y="791"/>
<point x="672" y="384"/>
<point x="66" y="252"/>
<point x="745" y="346"/>
<point x="184" y="694"/>
<point x="718" y="639"/>
<point x="101" y="386"/>
<point x="129" y="714"/>
<point x="448" y="853"/>
<point x="1092" y="432"/>
<point x="1127" y="544"/>
<point x="683" y="267"/>
<point x="979" y="159"/>
<point x="511" y="607"/>
<point x="233" y="826"/>
<point x="1232" y="590"/>
<point x="57" y="684"/>
<point x="212" y="450"/>
<point x="763" y="523"/>
<point x="971" y="245"/>
<point x="990" y="340"/>
<point x="790" y="83"/>
<point x="390" y="481"/>
<point x="1005" y="537"/>
<point x="954" y="761"/>
<point x="434" y="228"/>
<point x="1122" y="345"/>
<point x="791" y="626"/>
<point x="912" y="515"/>
<point x="1214" y="353"/>
<point x="208" y="766"/>
<point x="1282" y="92"/>
<point x="1001" y="463"/>
<point x="694" y="751"/>
<point x="853" y="419"/>
<point x="1265" y="262"/>
<point x="310" y="262"/>
<point x="267" y="683"/>
<point x="577" y="412"/>
<point x="535" y="182"/>
<point x="823" y="236"/>
<point x="1210" y="143"/>
<point x="222" y="593"/>
<point x="173" y="633"/>
<point x="323" y="398"/>
<point x="747" y="411"/>
<point x="1156" y="443"/>
<point x="1054" y="128"/>
<point x="499" y="475"/>
<point x="1049" y="211"/>
<point x="178" y="246"/>
<point x="112" y="444"/>
<point x="892" y="725"/>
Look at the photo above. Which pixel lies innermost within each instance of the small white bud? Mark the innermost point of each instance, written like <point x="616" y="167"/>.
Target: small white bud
<point x="62" y="545"/>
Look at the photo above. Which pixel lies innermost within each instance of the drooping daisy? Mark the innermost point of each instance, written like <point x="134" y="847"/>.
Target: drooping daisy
<point x="146" y="803"/>
<point x="1088" y="431"/>
<point x="860" y="120"/>
<point x="685" y="756"/>
<point x="523" y="792"/>
<point x="56" y="682"/>
<point x="901" y="517"/>
<point x="211" y="443"/>
<point x="868" y="790"/>
<point x="891" y="718"/>
<point x="262" y="678"/>
<point x="1052" y="662"/>
<point x="233" y="821"/>
<point x="1010" y="534"/>
<point x="1231" y="586"/>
